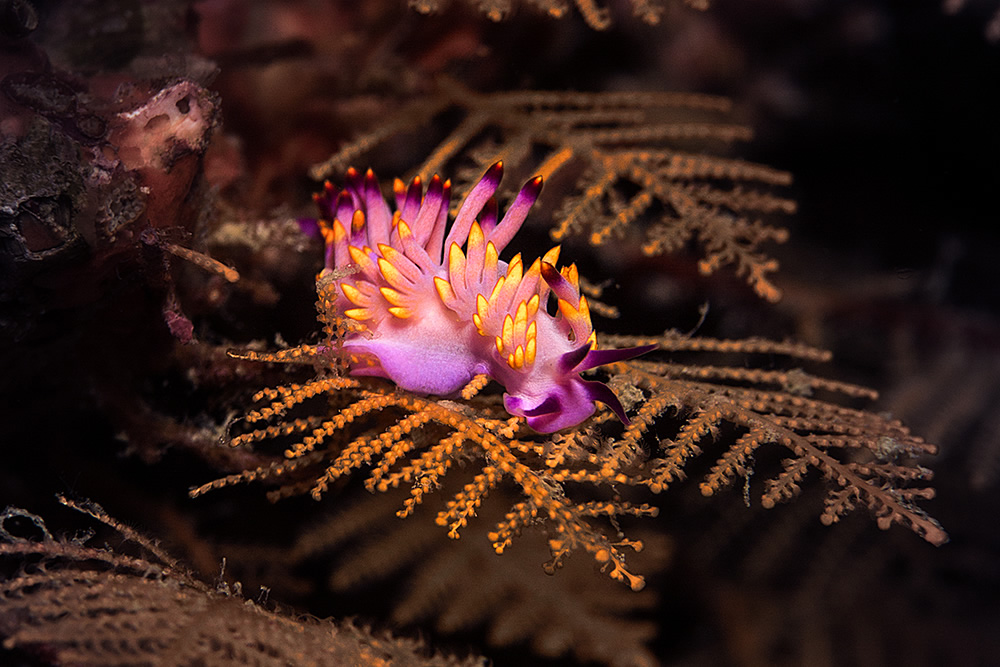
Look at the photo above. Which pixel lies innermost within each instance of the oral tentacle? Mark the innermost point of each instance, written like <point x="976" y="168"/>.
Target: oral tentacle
<point x="595" y="358"/>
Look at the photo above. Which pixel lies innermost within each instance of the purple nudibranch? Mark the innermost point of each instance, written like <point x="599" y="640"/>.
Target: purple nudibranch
<point x="435" y="316"/>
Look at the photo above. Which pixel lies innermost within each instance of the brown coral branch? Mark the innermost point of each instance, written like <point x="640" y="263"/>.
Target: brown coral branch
<point x="71" y="603"/>
<point x="634" y="173"/>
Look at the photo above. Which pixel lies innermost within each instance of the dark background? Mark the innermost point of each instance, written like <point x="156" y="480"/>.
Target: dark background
<point x="885" y="112"/>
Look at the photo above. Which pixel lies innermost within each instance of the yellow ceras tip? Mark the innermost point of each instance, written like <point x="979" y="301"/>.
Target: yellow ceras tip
<point x="552" y="256"/>
<point x="492" y="257"/>
<point x="353" y="294"/>
<point x="359" y="256"/>
<point x="508" y="330"/>
<point x="521" y="318"/>
<point x="404" y="229"/>
<point x="496" y="289"/>
<point x="339" y="233"/>
<point x="444" y="290"/>
<point x="400" y="312"/>
<point x="533" y="307"/>
<point x="394" y="297"/>
<point x="516" y="358"/>
<point x="391" y="274"/>
<point x="329" y="235"/>
<point x="358" y="313"/>
<point x="476" y="236"/>
<point x="358" y="220"/>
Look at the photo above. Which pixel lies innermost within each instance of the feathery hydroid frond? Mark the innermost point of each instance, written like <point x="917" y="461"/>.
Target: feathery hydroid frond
<point x="636" y="164"/>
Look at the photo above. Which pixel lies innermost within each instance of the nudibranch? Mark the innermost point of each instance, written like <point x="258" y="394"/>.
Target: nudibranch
<point x="435" y="315"/>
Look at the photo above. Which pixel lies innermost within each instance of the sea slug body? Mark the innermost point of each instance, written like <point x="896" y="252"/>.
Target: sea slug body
<point x="435" y="316"/>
